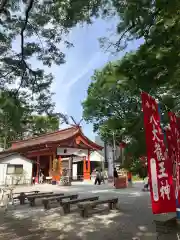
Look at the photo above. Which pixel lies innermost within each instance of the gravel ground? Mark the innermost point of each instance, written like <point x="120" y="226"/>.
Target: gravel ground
<point x="132" y="220"/>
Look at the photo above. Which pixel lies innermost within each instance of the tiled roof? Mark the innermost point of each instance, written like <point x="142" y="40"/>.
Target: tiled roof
<point x="5" y="155"/>
<point x="55" y="137"/>
<point x="46" y="138"/>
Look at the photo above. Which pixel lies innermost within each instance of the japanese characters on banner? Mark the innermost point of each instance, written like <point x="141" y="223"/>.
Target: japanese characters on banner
<point x="175" y="140"/>
<point x="160" y="175"/>
<point x="171" y="151"/>
<point x="178" y="123"/>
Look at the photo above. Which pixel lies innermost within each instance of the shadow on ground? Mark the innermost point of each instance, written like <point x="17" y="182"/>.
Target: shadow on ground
<point x="130" y="220"/>
<point x="133" y="220"/>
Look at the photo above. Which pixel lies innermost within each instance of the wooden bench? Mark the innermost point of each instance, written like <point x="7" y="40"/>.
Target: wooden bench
<point x="32" y="199"/>
<point x="46" y="202"/>
<point x="85" y="207"/>
<point x="35" y="191"/>
<point x="165" y="224"/>
<point x="23" y="195"/>
<point x="66" y="205"/>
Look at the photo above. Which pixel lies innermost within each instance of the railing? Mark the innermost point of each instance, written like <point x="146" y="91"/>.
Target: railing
<point x="14" y="180"/>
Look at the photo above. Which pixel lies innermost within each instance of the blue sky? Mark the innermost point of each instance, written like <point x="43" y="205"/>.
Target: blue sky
<point x="73" y="78"/>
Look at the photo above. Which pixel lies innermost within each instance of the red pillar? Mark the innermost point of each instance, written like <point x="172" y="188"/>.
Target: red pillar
<point x="53" y="171"/>
<point x="60" y="167"/>
<point x="84" y="168"/>
<point x="37" y="170"/>
<point x="89" y="165"/>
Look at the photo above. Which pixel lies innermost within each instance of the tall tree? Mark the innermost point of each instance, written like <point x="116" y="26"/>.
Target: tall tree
<point x="113" y="102"/>
<point x="13" y="115"/>
<point x="35" y="30"/>
<point x="38" y="125"/>
<point x="154" y="68"/>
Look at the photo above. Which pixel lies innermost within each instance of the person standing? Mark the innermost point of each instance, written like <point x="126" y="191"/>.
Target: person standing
<point x="41" y="177"/>
<point x="115" y="176"/>
<point x="98" y="178"/>
<point x="146" y="183"/>
<point x="102" y="176"/>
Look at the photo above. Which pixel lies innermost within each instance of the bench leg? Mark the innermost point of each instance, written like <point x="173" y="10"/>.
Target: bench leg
<point x="110" y="205"/>
<point x="115" y="205"/>
<point x="22" y="200"/>
<point x="84" y="213"/>
<point x="46" y="205"/>
<point x="32" y="203"/>
<point x="66" y="208"/>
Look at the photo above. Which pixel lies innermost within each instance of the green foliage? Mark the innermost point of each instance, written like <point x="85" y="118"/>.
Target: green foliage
<point x="33" y="30"/>
<point x="31" y="35"/>
<point x="38" y="125"/>
<point x="13" y="112"/>
<point x="136" y="167"/>
<point x="113" y="102"/>
<point x="113" y="105"/>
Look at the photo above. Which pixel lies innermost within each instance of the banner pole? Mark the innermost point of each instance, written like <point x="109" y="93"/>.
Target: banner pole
<point x="177" y="193"/>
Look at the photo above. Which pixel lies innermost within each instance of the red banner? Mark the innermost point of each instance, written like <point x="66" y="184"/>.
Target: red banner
<point x="160" y="176"/>
<point x="175" y="140"/>
<point x="171" y="151"/>
<point x="178" y="123"/>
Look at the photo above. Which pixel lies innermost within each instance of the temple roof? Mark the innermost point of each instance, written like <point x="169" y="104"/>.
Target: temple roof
<point x="57" y="137"/>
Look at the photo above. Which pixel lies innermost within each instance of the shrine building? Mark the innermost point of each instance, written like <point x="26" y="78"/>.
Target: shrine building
<point x="50" y="153"/>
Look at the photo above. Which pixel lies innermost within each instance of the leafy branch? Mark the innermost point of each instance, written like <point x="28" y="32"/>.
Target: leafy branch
<point x="2" y="5"/>
<point x="22" y="61"/>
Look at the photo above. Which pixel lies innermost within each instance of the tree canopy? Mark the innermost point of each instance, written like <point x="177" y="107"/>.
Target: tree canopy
<point x="38" y="125"/>
<point x="32" y="33"/>
<point x="113" y="102"/>
<point x="34" y="30"/>
<point x="25" y="126"/>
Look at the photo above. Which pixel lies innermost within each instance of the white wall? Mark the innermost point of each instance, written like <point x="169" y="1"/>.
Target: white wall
<point x="16" y="159"/>
<point x="96" y="157"/>
<point x="72" y="151"/>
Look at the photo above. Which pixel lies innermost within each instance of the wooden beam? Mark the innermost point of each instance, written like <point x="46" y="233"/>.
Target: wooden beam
<point x="37" y="170"/>
<point x="91" y="146"/>
<point x="50" y="165"/>
<point x="37" y="153"/>
<point x="89" y="163"/>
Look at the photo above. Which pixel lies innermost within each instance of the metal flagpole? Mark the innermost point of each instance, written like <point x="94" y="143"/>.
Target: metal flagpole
<point x="114" y="150"/>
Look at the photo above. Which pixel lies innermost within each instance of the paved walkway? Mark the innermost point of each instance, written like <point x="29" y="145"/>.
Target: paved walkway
<point x="133" y="219"/>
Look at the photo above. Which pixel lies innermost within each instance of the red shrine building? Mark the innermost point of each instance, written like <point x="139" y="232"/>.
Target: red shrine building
<point x="51" y="153"/>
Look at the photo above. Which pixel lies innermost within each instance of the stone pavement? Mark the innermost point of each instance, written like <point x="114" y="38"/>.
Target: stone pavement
<point x="133" y="219"/>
